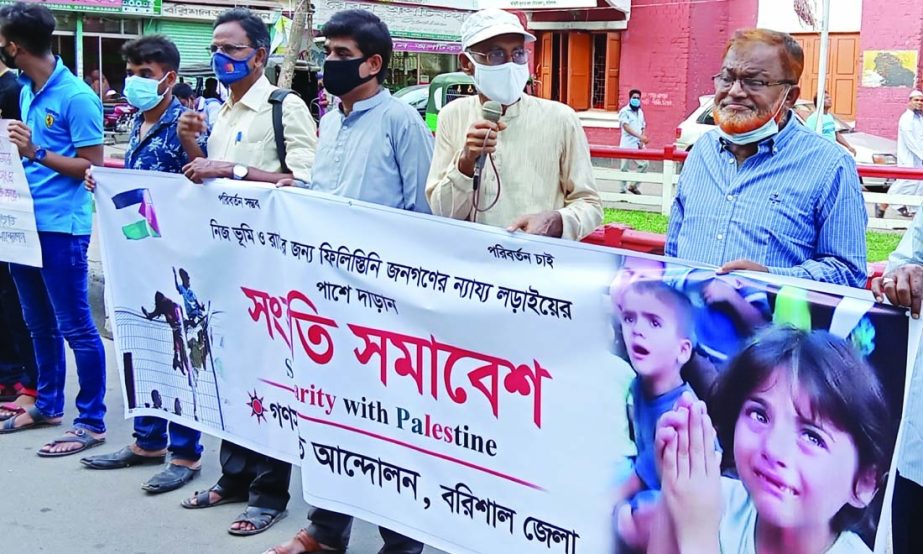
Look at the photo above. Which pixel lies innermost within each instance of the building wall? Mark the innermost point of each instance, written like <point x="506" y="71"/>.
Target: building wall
<point x="779" y="15"/>
<point x="899" y="27"/>
<point x="670" y="52"/>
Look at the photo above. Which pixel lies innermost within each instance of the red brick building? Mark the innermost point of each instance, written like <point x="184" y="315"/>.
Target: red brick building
<point x="896" y="25"/>
<point x="591" y="58"/>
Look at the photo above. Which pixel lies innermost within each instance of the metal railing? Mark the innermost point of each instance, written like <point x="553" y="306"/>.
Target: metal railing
<point x="669" y="177"/>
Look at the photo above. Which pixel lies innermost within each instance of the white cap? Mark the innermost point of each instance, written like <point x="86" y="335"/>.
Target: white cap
<point x="916" y="94"/>
<point x="490" y="23"/>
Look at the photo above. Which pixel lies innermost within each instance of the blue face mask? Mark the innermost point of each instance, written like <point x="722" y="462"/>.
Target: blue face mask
<point x="228" y="70"/>
<point x="142" y="93"/>
<point x="768" y="129"/>
<point x="635" y="103"/>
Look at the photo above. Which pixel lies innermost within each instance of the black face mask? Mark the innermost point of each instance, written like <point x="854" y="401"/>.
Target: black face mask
<point x="9" y="61"/>
<point x="342" y="76"/>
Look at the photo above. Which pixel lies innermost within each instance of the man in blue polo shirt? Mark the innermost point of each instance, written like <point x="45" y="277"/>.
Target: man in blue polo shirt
<point x="60" y="136"/>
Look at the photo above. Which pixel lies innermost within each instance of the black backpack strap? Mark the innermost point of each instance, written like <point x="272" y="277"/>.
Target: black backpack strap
<point x="276" y="98"/>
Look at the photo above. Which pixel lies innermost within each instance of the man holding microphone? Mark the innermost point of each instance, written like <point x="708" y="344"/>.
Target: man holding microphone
<point x="536" y="175"/>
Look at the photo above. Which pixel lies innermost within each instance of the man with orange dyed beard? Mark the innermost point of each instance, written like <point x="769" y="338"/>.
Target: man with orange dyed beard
<point x="762" y="192"/>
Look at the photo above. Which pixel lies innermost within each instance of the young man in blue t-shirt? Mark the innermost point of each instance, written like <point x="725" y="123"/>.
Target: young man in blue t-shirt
<point x="60" y="136"/>
<point x="152" y="63"/>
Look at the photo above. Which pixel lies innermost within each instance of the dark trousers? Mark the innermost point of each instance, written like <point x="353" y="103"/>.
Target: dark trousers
<point x="333" y="529"/>
<point x="17" y="355"/>
<point x="906" y="515"/>
<point x="264" y="479"/>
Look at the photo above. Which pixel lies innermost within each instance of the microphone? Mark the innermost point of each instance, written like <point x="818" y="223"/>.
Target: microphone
<point x="491" y="111"/>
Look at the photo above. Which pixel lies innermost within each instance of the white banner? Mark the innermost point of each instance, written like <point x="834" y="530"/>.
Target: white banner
<point x="18" y="235"/>
<point x="453" y="382"/>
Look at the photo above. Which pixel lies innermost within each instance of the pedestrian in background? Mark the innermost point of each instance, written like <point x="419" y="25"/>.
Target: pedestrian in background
<point x="909" y="151"/>
<point x="828" y="126"/>
<point x="633" y="125"/>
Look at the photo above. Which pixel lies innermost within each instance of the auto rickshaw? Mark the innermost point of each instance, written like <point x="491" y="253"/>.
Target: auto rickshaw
<point x="443" y="89"/>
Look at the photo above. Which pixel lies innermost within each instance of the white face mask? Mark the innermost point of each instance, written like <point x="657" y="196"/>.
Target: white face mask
<point x="501" y="83"/>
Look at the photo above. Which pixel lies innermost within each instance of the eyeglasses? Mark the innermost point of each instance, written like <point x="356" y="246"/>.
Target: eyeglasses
<point x="229" y="49"/>
<point x="723" y="81"/>
<point x="500" y="57"/>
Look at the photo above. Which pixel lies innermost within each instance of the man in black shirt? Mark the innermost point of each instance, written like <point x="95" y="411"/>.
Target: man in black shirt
<point x="9" y="93"/>
<point x="17" y="358"/>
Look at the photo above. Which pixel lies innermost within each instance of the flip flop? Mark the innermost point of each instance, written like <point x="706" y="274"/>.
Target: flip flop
<point x="260" y="518"/>
<point x="38" y="420"/>
<point x="76" y="435"/>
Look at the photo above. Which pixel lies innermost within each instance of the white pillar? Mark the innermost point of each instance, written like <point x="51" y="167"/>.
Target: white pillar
<point x="822" y="66"/>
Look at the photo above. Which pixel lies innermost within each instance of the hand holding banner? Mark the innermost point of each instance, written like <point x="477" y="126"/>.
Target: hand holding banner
<point x="18" y="235"/>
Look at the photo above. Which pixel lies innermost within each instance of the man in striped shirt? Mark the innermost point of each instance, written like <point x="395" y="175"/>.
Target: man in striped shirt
<point x="761" y="192"/>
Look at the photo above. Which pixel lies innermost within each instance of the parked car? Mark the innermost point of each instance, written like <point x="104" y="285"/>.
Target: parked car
<point x="870" y="149"/>
<point x="415" y="95"/>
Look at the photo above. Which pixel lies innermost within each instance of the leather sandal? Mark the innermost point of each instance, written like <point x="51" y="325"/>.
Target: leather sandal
<point x="203" y="498"/>
<point x="305" y="543"/>
<point x="260" y="518"/>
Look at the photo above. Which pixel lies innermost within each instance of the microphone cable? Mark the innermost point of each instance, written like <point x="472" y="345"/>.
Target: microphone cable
<point x="476" y="199"/>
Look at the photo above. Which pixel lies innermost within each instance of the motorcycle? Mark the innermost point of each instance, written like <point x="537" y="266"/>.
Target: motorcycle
<point x="118" y="115"/>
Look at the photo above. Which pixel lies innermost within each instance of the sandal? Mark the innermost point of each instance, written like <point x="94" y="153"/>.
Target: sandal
<point x="305" y="542"/>
<point x="10" y="410"/>
<point x="260" y="518"/>
<point x="203" y="498"/>
<point x="38" y="420"/>
<point x="75" y="435"/>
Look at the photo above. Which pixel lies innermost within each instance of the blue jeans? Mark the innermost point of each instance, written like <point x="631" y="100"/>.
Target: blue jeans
<point x="55" y="307"/>
<point x="151" y="434"/>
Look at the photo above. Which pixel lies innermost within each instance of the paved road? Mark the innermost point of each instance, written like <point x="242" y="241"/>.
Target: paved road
<point x="57" y="506"/>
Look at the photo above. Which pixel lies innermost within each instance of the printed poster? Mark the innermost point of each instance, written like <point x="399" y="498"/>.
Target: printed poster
<point x="483" y="391"/>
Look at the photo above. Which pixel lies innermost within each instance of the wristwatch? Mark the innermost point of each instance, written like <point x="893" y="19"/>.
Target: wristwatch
<point x="240" y="172"/>
<point x="39" y="154"/>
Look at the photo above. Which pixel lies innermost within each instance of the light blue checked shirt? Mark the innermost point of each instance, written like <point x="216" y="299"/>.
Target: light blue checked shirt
<point x="379" y="153"/>
<point x="910" y="461"/>
<point x="795" y="207"/>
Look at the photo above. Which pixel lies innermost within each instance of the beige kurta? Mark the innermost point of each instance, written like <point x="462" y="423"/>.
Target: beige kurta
<point x="243" y="133"/>
<point x="542" y="157"/>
